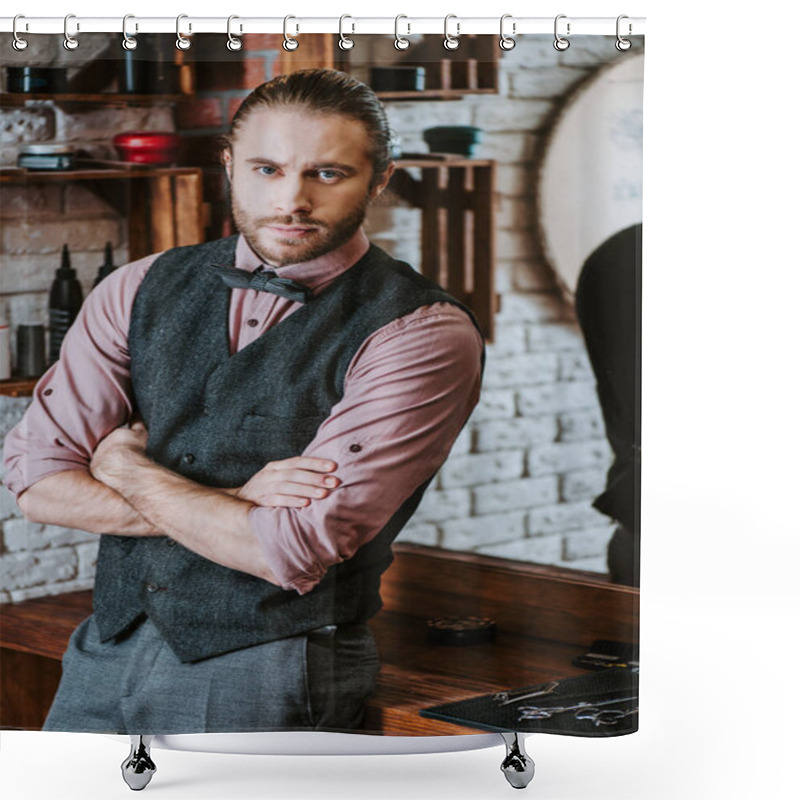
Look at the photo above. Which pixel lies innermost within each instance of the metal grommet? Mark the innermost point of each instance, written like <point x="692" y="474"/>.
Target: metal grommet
<point x="129" y="42"/>
<point x="182" y="43"/>
<point x="507" y="42"/>
<point x="400" y="42"/>
<point x="17" y="43"/>
<point x="234" y="44"/>
<point x="560" y="42"/>
<point x="289" y="44"/>
<point x="623" y="44"/>
<point x="70" y="42"/>
<point x="451" y="42"/>
<point x="345" y="42"/>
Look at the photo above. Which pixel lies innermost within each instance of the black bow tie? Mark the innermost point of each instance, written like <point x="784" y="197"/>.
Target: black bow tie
<point x="267" y="281"/>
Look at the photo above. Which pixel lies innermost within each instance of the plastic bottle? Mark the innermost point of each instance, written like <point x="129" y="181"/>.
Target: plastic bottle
<point x="107" y="267"/>
<point x="66" y="298"/>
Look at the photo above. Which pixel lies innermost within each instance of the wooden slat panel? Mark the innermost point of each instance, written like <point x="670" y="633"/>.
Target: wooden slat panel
<point x="139" y="242"/>
<point x="162" y="213"/>
<point x="483" y="300"/>
<point x="431" y="227"/>
<point x="188" y="209"/>
<point x="455" y="254"/>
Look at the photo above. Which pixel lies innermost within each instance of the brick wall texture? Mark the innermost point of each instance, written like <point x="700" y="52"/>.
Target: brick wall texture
<point x="521" y="478"/>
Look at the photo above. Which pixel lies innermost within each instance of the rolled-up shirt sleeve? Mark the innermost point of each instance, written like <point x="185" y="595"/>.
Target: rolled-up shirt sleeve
<point x="408" y="392"/>
<point x="85" y="394"/>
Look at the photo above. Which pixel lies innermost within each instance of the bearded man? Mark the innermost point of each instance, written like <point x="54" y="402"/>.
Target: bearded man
<point x="248" y="424"/>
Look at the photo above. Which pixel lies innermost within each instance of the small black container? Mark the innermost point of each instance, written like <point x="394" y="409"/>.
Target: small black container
<point x="36" y="80"/>
<point x="397" y="79"/>
<point x="30" y="351"/>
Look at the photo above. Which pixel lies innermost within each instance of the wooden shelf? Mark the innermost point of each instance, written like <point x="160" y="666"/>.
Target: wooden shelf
<point x="17" y="387"/>
<point x="433" y="94"/>
<point x="163" y="205"/>
<point x="16" y="99"/>
<point x="456" y="197"/>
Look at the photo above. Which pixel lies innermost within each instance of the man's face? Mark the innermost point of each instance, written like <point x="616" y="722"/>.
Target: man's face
<point x="300" y="182"/>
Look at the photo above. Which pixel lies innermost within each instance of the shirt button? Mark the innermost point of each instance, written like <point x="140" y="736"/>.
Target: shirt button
<point x="252" y="322"/>
<point x="355" y="448"/>
<point x="188" y="458"/>
<point x="47" y="392"/>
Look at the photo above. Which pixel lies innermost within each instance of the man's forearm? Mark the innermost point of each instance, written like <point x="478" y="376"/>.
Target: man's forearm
<point x="74" y="499"/>
<point x="210" y="522"/>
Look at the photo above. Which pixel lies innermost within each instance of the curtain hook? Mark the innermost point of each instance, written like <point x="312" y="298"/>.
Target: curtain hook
<point x="17" y="43"/>
<point x="289" y="44"/>
<point x="70" y="42"/>
<point x="623" y="44"/>
<point x="507" y="42"/>
<point x="129" y="42"/>
<point x="234" y="43"/>
<point x="345" y="43"/>
<point x="182" y="43"/>
<point x="560" y="42"/>
<point x="401" y="43"/>
<point x="451" y="42"/>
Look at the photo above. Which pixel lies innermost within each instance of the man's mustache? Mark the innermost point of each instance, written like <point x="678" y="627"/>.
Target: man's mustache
<point x="291" y="221"/>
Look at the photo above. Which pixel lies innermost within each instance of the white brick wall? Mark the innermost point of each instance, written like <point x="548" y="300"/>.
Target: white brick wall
<point x="521" y="477"/>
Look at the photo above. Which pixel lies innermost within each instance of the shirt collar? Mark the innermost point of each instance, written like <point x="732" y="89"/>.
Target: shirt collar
<point x="314" y="274"/>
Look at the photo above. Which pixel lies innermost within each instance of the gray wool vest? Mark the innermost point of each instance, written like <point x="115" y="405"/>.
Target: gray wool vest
<point x="218" y="418"/>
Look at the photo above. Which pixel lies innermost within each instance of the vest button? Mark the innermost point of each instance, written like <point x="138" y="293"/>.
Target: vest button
<point x="152" y="588"/>
<point x="171" y="543"/>
<point x="188" y="458"/>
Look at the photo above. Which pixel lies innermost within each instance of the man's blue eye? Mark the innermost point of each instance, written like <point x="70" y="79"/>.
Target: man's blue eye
<point x="267" y="170"/>
<point x="329" y="174"/>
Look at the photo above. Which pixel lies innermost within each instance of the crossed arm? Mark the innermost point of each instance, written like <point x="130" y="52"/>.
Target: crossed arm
<point x="128" y="494"/>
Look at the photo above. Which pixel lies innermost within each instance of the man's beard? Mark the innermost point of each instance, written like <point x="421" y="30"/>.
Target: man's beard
<point x="326" y="237"/>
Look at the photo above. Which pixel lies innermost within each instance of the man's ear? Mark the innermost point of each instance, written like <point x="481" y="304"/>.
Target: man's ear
<point x="383" y="181"/>
<point x="227" y="160"/>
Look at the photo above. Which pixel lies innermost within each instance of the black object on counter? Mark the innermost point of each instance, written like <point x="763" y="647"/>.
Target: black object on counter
<point x="603" y="703"/>
<point x="107" y="267"/>
<point x="30" y="351"/>
<point x="66" y="298"/>
<point x="461" y="630"/>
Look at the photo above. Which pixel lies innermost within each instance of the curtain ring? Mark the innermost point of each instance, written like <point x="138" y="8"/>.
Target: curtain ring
<point x="70" y="42"/>
<point x="451" y="42"/>
<point x="345" y="43"/>
<point x="182" y="43"/>
<point x="560" y="42"/>
<point x="507" y="42"/>
<point x="129" y="42"/>
<point x="289" y="44"/>
<point x="623" y="44"/>
<point x="234" y="43"/>
<point x="17" y="43"/>
<point x="401" y="43"/>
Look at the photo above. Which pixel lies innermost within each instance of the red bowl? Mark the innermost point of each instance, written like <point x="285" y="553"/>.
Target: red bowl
<point x="148" y="147"/>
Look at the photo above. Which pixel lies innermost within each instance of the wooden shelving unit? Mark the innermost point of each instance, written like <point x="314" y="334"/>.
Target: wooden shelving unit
<point x="15" y="100"/>
<point x="163" y="205"/>
<point x="455" y="196"/>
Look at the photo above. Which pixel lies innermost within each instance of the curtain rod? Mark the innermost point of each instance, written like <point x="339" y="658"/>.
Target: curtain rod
<point x="348" y="25"/>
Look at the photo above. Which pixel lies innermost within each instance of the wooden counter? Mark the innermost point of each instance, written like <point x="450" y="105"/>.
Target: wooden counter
<point x="545" y="617"/>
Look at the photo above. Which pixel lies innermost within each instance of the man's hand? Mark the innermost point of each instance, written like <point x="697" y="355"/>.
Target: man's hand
<point x="291" y="483"/>
<point x="116" y="453"/>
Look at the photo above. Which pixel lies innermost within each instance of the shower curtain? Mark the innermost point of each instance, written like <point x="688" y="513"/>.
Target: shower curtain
<point x="508" y="599"/>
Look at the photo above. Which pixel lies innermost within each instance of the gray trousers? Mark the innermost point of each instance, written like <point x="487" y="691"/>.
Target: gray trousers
<point x="137" y="685"/>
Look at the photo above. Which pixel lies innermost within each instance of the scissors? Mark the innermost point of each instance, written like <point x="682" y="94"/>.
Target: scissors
<point x="584" y="707"/>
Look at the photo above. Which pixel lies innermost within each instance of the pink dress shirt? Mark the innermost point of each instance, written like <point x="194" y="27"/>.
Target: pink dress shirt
<point x="408" y="391"/>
